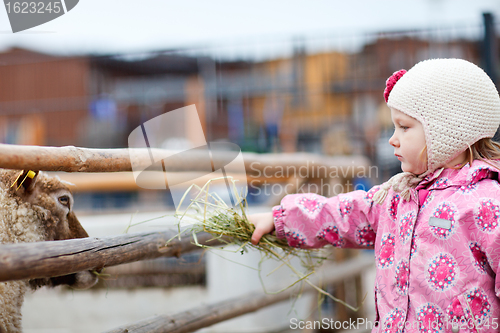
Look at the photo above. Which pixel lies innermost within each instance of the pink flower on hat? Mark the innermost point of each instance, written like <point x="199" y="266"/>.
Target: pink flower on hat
<point x="391" y="81"/>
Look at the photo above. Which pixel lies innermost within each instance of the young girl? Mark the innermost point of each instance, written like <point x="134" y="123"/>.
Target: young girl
<point x="435" y="227"/>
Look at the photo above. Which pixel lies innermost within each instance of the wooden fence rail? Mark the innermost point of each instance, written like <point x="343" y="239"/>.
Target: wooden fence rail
<point x="204" y="316"/>
<point x="55" y="258"/>
<point x="76" y="159"/>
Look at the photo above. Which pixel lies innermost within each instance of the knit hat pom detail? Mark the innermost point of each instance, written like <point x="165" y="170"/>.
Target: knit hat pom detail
<point x="391" y="81"/>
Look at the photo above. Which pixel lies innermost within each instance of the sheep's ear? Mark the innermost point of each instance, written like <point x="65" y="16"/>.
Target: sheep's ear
<point x="27" y="180"/>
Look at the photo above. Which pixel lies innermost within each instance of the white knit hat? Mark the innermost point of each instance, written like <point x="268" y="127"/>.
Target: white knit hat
<point x="457" y="104"/>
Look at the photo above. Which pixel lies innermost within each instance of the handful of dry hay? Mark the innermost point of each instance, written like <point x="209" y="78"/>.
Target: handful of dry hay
<point x="229" y="225"/>
<point x="211" y="214"/>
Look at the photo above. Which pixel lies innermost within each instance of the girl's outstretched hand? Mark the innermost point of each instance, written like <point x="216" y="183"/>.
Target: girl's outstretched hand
<point x="264" y="224"/>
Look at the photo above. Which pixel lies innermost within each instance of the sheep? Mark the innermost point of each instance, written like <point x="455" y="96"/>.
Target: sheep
<point x="35" y="207"/>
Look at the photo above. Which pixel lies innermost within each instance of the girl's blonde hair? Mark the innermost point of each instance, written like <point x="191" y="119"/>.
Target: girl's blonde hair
<point x="485" y="150"/>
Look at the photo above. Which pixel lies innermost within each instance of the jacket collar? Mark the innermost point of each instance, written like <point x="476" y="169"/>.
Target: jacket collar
<point x="467" y="175"/>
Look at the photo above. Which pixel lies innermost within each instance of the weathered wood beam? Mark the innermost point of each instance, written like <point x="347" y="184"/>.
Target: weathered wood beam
<point x="124" y="181"/>
<point x="204" y="316"/>
<point x="76" y="159"/>
<point x="69" y="158"/>
<point x="56" y="258"/>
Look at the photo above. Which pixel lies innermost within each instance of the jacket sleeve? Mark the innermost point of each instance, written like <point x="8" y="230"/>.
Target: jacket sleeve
<point x="309" y="220"/>
<point x="485" y="247"/>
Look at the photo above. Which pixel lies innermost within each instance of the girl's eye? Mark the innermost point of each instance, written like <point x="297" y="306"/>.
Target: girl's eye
<point x="64" y="200"/>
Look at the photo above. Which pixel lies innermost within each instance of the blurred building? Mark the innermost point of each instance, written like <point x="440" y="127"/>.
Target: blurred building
<point x="326" y="101"/>
<point x="43" y="98"/>
<point x="369" y="68"/>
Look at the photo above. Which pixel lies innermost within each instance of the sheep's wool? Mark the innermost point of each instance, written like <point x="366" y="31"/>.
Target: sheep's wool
<point x="456" y="102"/>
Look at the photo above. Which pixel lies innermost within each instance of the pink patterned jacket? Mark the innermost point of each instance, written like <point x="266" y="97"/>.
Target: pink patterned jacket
<point x="437" y="260"/>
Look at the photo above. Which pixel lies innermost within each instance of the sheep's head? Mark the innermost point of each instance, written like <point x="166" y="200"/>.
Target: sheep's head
<point x="52" y="202"/>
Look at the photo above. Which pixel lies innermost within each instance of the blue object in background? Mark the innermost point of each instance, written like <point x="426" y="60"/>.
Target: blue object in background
<point x="363" y="184"/>
<point x="103" y="108"/>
